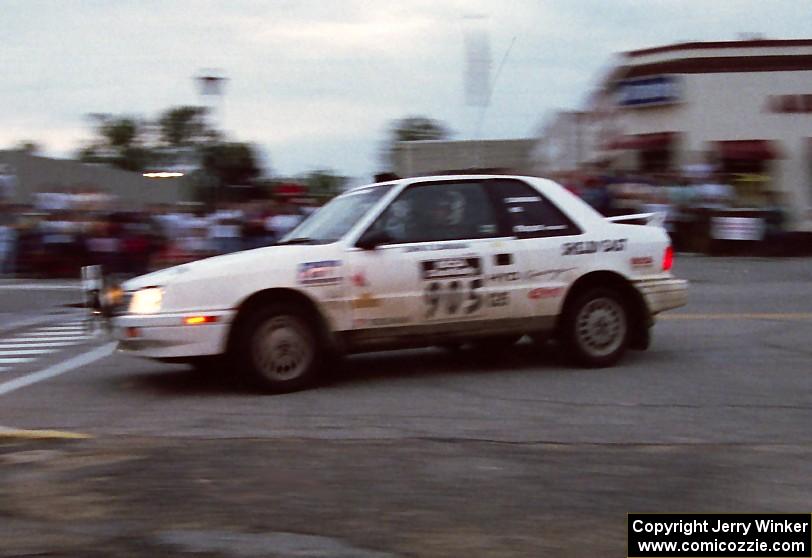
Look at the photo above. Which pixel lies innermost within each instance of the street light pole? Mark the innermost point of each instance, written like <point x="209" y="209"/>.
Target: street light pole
<point x="211" y="83"/>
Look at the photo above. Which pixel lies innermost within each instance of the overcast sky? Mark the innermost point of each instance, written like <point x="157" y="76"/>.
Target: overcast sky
<point x="315" y="83"/>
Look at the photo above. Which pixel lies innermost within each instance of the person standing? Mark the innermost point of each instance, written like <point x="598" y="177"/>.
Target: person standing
<point x="8" y="183"/>
<point x="8" y="244"/>
<point x="283" y="222"/>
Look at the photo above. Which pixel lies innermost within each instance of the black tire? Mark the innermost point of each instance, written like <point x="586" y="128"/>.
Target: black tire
<point x="278" y="348"/>
<point x="595" y="327"/>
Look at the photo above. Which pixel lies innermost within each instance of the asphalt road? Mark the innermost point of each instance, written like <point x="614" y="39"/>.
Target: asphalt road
<point x="416" y="453"/>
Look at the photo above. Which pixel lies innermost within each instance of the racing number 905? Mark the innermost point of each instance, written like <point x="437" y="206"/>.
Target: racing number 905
<point x="453" y="297"/>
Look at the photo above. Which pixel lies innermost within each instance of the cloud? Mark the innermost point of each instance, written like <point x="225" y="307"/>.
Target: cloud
<point x="315" y="83"/>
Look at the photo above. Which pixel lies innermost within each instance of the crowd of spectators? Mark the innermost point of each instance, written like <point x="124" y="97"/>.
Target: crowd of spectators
<point x="689" y="201"/>
<point x="62" y="231"/>
<point x="59" y="233"/>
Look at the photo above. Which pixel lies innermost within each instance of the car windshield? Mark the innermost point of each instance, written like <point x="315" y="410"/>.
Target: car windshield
<point x="335" y="219"/>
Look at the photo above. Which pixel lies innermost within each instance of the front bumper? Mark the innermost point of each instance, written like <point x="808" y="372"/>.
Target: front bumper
<point x="167" y="335"/>
<point x="663" y="294"/>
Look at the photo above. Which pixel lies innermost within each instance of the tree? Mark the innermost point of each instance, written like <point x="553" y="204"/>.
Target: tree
<point x="324" y="183"/>
<point x="29" y="147"/>
<point x="180" y="138"/>
<point x="185" y="126"/>
<point x="120" y="141"/>
<point x="231" y="163"/>
<point x="411" y="128"/>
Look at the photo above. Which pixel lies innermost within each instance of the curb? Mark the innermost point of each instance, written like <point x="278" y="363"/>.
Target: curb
<point x="22" y="434"/>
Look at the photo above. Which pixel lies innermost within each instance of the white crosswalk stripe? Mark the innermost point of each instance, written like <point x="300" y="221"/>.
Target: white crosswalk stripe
<point x="30" y="338"/>
<point x="77" y="331"/>
<point x="15" y="360"/>
<point x="28" y="346"/>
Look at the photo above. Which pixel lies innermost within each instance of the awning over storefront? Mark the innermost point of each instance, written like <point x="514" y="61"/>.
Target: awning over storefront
<point x="749" y="150"/>
<point x="645" y="142"/>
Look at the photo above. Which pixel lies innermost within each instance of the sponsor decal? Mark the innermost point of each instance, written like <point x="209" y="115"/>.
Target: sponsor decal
<point x="326" y="272"/>
<point x="359" y="279"/>
<point x="452" y="287"/>
<point x="366" y="300"/>
<point x="538" y="228"/>
<point x="549" y="274"/>
<point x="451" y="267"/>
<point x="496" y="300"/>
<point x="545" y="292"/>
<point x="593" y="246"/>
<point x="642" y="261"/>
<point x="505" y="276"/>
<point x="433" y="247"/>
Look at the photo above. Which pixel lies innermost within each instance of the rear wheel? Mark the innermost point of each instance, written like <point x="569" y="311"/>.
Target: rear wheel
<point x="279" y="348"/>
<point x="596" y="327"/>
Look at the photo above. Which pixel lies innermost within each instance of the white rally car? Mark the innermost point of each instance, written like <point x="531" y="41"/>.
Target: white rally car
<point x="440" y="260"/>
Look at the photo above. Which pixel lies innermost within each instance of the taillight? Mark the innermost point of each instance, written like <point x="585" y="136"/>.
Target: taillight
<point x="668" y="258"/>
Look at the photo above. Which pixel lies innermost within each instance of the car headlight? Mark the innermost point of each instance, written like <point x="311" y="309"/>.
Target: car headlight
<point x="146" y="301"/>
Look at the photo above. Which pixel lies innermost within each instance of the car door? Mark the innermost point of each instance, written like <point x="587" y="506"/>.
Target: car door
<point x="540" y="228"/>
<point x="437" y="269"/>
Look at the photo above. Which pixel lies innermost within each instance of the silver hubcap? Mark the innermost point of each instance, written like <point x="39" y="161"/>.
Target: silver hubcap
<point x="282" y="348"/>
<point x="600" y="326"/>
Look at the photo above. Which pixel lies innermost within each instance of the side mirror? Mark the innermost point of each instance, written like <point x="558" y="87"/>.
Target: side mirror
<point x="371" y="239"/>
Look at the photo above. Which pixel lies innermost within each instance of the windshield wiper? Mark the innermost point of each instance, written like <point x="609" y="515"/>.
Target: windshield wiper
<point x="297" y="240"/>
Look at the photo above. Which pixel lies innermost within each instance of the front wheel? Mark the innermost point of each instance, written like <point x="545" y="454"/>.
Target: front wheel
<point x="595" y="328"/>
<point x="278" y="349"/>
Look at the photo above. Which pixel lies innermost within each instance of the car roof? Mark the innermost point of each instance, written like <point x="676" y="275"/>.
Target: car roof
<point x="442" y="178"/>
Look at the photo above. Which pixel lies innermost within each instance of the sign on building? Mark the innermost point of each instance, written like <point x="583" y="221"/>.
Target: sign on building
<point x="648" y="91"/>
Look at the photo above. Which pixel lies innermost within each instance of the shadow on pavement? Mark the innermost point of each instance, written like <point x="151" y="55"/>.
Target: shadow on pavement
<point x="370" y="368"/>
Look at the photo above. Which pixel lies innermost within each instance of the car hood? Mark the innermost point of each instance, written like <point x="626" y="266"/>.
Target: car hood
<point x="271" y="258"/>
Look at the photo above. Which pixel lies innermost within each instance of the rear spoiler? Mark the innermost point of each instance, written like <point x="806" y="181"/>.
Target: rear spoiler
<point x="656" y="219"/>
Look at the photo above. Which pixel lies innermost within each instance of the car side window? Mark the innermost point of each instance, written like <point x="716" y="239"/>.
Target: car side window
<point x="433" y="212"/>
<point x="529" y="213"/>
